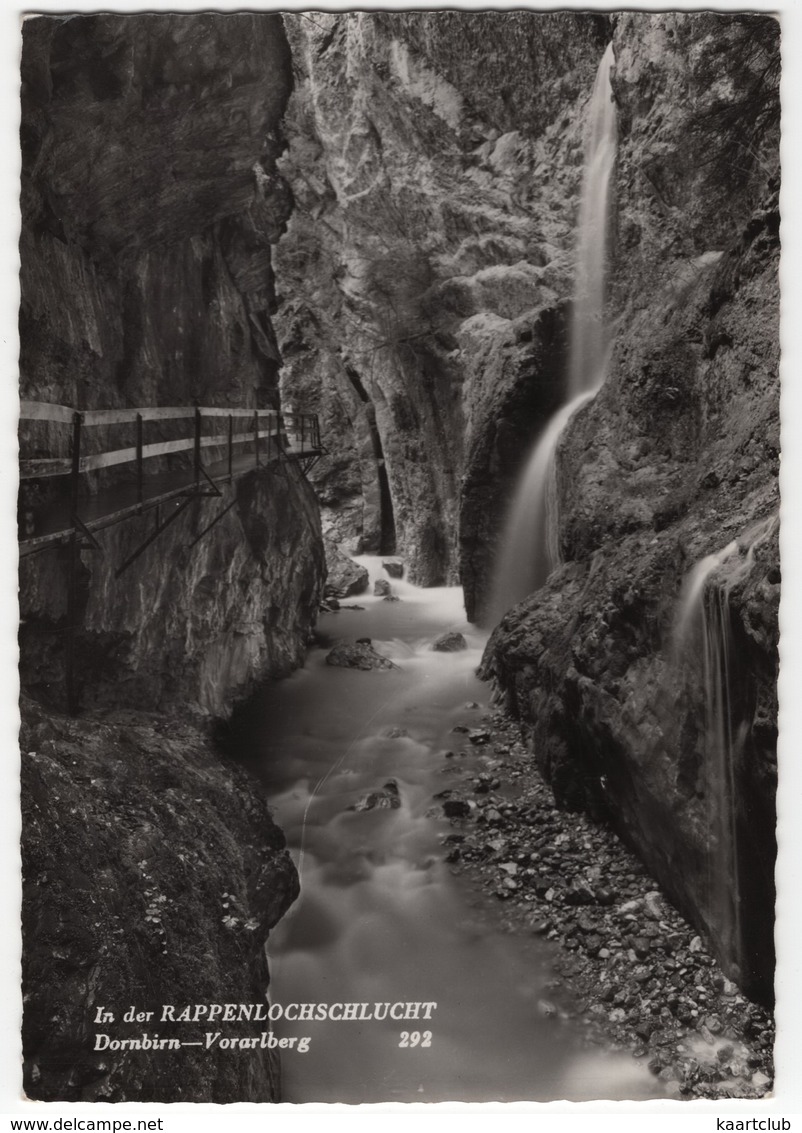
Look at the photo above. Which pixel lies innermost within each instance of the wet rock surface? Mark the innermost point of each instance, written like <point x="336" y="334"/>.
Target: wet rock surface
<point x="359" y="655"/>
<point x="451" y="642"/>
<point x="628" y="968"/>
<point x="388" y="798"/>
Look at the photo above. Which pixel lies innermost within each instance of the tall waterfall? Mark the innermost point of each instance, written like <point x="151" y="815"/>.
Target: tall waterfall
<point x="529" y="548"/>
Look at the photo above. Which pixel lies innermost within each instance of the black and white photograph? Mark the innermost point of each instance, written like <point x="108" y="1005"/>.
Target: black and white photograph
<point x="399" y="555"/>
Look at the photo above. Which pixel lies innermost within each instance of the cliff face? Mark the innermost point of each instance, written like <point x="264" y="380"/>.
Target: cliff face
<point x="189" y="623"/>
<point x="150" y="202"/>
<point x="426" y="280"/>
<point x="150" y="198"/>
<point x="674" y="460"/>
<point x="152" y="870"/>
<point x="423" y="272"/>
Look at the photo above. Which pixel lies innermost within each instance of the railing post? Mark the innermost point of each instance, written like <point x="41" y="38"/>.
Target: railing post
<point x="77" y="419"/>
<point x="256" y="437"/>
<point x="230" y="445"/>
<point x="139" y="438"/>
<point x="197" y="446"/>
<point x="71" y="686"/>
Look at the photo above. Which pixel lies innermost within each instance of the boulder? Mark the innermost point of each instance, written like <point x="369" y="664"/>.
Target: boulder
<point x="381" y="588"/>
<point x="394" y="568"/>
<point x="387" y="798"/>
<point x="359" y="655"/>
<point x="451" y="642"/>
<point x="345" y="577"/>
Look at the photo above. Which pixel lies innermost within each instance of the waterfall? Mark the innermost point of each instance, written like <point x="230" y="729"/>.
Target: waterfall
<point x="588" y="349"/>
<point x="703" y="621"/>
<point x="530" y="547"/>
<point x="703" y="625"/>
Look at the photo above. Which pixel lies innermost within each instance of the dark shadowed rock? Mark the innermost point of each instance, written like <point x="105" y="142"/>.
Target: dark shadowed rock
<point x="163" y="879"/>
<point x="394" y="567"/>
<point x="381" y="588"/>
<point x="451" y="642"/>
<point x="360" y="655"/>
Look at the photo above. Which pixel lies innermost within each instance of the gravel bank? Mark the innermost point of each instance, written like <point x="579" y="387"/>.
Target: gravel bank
<point x="627" y="964"/>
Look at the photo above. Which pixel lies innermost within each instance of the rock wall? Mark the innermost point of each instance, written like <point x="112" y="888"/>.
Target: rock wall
<point x="150" y="198"/>
<point x="676" y="458"/>
<point x="152" y="870"/>
<point x="151" y="201"/>
<point x="423" y="274"/>
<point x="189" y="624"/>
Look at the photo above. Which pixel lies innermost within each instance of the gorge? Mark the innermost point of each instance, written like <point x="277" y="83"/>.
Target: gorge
<point x="373" y="217"/>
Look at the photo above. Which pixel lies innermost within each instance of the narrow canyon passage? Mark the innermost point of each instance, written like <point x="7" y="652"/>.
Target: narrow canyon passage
<point x="380" y="917"/>
<point x="516" y="274"/>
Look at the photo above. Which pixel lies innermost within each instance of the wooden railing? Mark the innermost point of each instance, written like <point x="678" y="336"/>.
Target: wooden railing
<point x="299" y="433"/>
<point x="240" y="439"/>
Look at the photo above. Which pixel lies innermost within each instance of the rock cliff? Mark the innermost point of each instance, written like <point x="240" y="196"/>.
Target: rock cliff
<point x="152" y="870"/>
<point x="426" y="280"/>
<point x="151" y="200"/>
<point x="427" y="262"/>
<point x="676" y="460"/>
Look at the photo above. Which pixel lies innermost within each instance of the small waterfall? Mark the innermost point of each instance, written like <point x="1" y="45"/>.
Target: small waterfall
<point x="690" y="602"/>
<point x="529" y="547"/>
<point x="704" y="621"/>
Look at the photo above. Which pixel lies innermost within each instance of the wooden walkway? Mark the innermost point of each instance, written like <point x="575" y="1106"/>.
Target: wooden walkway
<point x="214" y="446"/>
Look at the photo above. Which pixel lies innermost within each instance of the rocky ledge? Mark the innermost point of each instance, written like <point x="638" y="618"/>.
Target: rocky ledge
<point x="628" y="967"/>
<point x="152" y="874"/>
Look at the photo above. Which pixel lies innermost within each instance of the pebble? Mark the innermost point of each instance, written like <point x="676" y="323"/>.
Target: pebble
<point x="639" y="976"/>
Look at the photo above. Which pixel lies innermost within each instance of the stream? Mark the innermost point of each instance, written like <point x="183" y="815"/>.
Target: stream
<point x="381" y="918"/>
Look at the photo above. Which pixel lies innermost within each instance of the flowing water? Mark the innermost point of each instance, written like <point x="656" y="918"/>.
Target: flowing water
<point x="703" y="619"/>
<point x="381" y="919"/>
<point x="530" y="545"/>
<point x="529" y="548"/>
<point x="589" y="332"/>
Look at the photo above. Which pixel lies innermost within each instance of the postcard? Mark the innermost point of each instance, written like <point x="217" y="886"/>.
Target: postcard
<point x="399" y="556"/>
